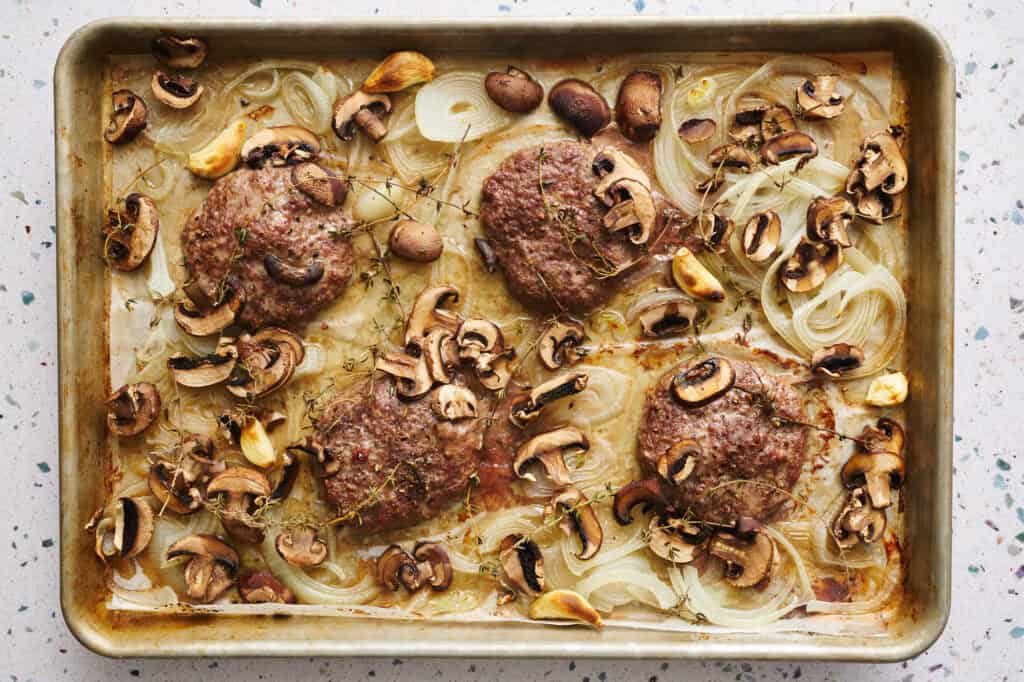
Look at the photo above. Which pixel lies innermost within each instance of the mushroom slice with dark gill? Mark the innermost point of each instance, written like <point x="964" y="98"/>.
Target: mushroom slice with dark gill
<point x="197" y="323"/>
<point x="320" y="184"/>
<point x="550" y="448"/>
<point x="732" y="156"/>
<point x="291" y="274"/>
<point x="746" y="126"/>
<point x="836" y="360"/>
<point x="638" y="107"/>
<point x="266" y="361"/>
<point x="761" y="236"/>
<point x="879" y="473"/>
<point x="715" y="231"/>
<point x="127" y="117"/>
<point x="569" y="383"/>
<point x="179" y="53"/>
<point x="132" y="408"/>
<point x="177" y="92"/>
<point x="675" y="539"/>
<point x="434" y="555"/>
<point x="747" y="561"/>
<point x="244" y="491"/>
<point x="669" y="317"/>
<point x="881" y="165"/>
<point x="429" y="563"/>
<point x="211" y="568"/>
<point x="410" y="372"/>
<point x="577" y="517"/>
<point x="128" y="533"/>
<point x="300" y="546"/>
<point x="885" y="436"/>
<point x="263" y="588"/>
<point x="646" y="492"/>
<point x="829" y="219"/>
<point x="291" y="465"/>
<point x="876" y="206"/>
<point x="453" y="403"/>
<point x="787" y="146"/>
<point x="777" y="120"/>
<point x="676" y="465"/>
<point x="703" y="382"/>
<point x="280" y="146"/>
<point x="817" y="98"/>
<point x="428" y="312"/>
<point x="207" y="370"/>
<point x="580" y="105"/>
<point x="523" y="564"/>
<point x="361" y="110"/>
<point x="626" y="190"/>
<point x="514" y="90"/>
<point x="559" y="342"/>
<point x="129" y="237"/>
<point x="477" y="336"/>
<point x="695" y="130"/>
<point x="442" y="353"/>
<point x="810" y="265"/>
<point x="858" y="521"/>
<point x="168" y="485"/>
<point x="486" y="251"/>
<point x="494" y="370"/>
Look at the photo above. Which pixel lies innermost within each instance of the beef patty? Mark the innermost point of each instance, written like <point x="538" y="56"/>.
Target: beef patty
<point x="531" y="233"/>
<point x="250" y="216"/>
<point x="738" y="441"/>
<point x="420" y="464"/>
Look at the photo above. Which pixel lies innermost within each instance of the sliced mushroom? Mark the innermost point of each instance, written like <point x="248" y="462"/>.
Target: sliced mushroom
<point x="398" y="71"/>
<point x="675" y="539"/>
<point x="427" y="312"/>
<point x="715" y="231"/>
<point x="829" y="219"/>
<point x="393" y="565"/>
<point x="626" y="189"/>
<point x="747" y="562"/>
<point x="263" y="588"/>
<point x="487" y="254"/>
<point x="130" y="237"/>
<point x="836" y="360"/>
<point x="197" y="459"/>
<point x="262" y="367"/>
<point x="428" y="563"/>
<point x="300" y="546"/>
<point x="670" y="317"/>
<point x="646" y="492"/>
<point x="577" y="518"/>
<point x="128" y="533"/>
<point x="550" y="448"/>
<point x="132" y="408"/>
<point x="777" y="120"/>
<point x="169" y="487"/>
<point x="442" y="352"/>
<point x="280" y="146"/>
<point x="695" y="130"/>
<point x="477" y="336"/>
<point x="858" y="521"/>
<point x="522" y="563"/>
<point x="415" y="241"/>
<point x="885" y="436"/>
<point x="293" y="275"/>
<point x="434" y="555"/>
<point x="569" y="383"/>
<point x="207" y="370"/>
<point x="732" y="156"/>
<point x="638" y="107"/>
<point x="877" y="206"/>
<point x="320" y="184"/>
<point x="362" y="110"/>
<point x="580" y="105"/>
<point x="221" y="154"/>
<point x="703" y="382"/>
<point x="494" y="370"/>
<point x="881" y="165"/>
<point x="244" y="490"/>
<point x="196" y="323"/>
<point x="514" y="90"/>
<point x="453" y="402"/>
<point x="761" y="236"/>
<point x="127" y="117"/>
<point x="559" y="341"/>
<point x="676" y="465"/>
<point x="691" y="276"/>
<point x="412" y="377"/>
<point x="289" y="474"/>
<point x="879" y="472"/>
<point x="211" y="566"/>
<point x="564" y="605"/>
<point x="817" y="98"/>
<point x="746" y="126"/>
<point x="177" y="92"/>
<point x="179" y="53"/>
<point x="810" y="265"/>
<point x="787" y="146"/>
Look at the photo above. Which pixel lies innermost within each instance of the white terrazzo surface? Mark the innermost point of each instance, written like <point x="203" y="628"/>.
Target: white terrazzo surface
<point x="985" y="638"/>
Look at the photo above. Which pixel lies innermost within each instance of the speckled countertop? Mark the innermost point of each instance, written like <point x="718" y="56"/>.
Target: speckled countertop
<point x="985" y="638"/>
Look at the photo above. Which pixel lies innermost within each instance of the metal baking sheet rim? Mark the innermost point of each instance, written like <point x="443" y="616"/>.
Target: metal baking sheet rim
<point x="81" y="350"/>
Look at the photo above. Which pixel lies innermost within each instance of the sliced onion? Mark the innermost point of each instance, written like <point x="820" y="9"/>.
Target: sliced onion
<point x="307" y="102"/>
<point x="258" y="94"/>
<point x="607" y="392"/>
<point x="313" y="591"/>
<point x="411" y="155"/>
<point x="628" y="580"/>
<point x="650" y="299"/>
<point x="618" y="543"/>
<point x="159" y="281"/>
<point x="890" y="579"/>
<point x="493" y="527"/>
<point x="455" y="107"/>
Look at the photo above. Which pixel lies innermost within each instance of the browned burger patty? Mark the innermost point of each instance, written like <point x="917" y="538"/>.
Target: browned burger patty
<point x="371" y="435"/>
<point x="532" y="240"/>
<point x="250" y="215"/>
<point x="738" y="441"/>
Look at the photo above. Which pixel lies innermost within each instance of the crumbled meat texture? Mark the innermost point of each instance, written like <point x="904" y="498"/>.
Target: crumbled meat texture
<point x="374" y="433"/>
<point x="532" y="241"/>
<point x="738" y="441"/>
<point x="249" y="214"/>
